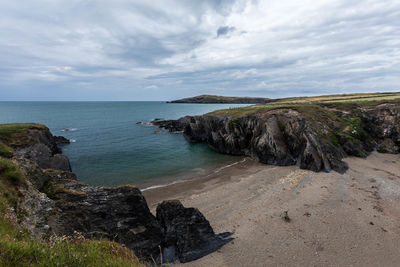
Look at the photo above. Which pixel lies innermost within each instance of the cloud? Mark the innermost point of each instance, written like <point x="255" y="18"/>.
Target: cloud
<point x="224" y="30"/>
<point x="275" y="48"/>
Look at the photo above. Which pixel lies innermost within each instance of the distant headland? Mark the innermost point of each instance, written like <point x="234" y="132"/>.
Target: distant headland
<point x="215" y="99"/>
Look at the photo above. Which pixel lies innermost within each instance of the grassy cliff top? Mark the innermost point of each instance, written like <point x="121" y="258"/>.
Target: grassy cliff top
<point x="18" y="248"/>
<point x="16" y="134"/>
<point x="221" y="99"/>
<point x="345" y="101"/>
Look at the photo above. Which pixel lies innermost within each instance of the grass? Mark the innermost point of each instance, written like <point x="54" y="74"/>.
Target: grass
<point x="313" y="105"/>
<point x="5" y="151"/>
<point x="10" y="173"/>
<point x="15" y="134"/>
<point x="17" y="248"/>
<point x="220" y="99"/>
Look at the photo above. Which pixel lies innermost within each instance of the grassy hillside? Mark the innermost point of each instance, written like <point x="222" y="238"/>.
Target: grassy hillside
<point x="315" y="103"/>
<point x="18" y="248"/>
<point x="208" y="99"/>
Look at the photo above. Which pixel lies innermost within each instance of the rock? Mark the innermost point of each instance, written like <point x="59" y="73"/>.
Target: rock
<point x="281" y="137"/>
<point x="172" y="125"/>
<point x="285" y="216"/>
<point x="387" y="146"/>
<point x="187" y="235"/>
<point x="119" y="214"/>
<point x="44" y="157"/>
<point x="33" y="172"/>
<point x="286" y="136"/>
<point x="54" y="202"/>
<point x="61" y="140"/>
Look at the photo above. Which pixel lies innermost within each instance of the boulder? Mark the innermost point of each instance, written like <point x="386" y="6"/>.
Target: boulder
<point x="187" y="235"/>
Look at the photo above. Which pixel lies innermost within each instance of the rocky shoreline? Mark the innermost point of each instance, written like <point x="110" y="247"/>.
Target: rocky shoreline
<point x="313" y="137"/>
<point x="53" y="202"/>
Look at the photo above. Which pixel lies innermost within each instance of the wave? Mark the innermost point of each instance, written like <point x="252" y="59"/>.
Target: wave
<point x="162" y="185"/>
<point x="72" y="140"/>
<point x="181" y="181"/>
<point x="226" y="166"/>
<point x="69" y="129"/>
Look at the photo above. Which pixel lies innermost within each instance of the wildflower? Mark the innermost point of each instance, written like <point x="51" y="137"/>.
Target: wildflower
<point x="113" y="251"/>
<point x="123" y="245"/>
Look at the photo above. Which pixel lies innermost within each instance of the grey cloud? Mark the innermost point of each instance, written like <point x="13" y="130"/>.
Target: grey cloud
<point x="100" y="48"/>
<point x="224" y="30"/>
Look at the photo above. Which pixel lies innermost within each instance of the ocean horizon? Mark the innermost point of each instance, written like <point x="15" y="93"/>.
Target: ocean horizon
<point x="108" y="148"/>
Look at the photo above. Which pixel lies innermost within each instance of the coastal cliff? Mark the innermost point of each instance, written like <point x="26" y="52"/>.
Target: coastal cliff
<point x="314" y="135"/>
<point x="215" y="99"/>
<point x="43" y="197"/>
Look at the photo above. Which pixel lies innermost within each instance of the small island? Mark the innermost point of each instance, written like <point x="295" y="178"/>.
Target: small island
<point x="215" y="99"/>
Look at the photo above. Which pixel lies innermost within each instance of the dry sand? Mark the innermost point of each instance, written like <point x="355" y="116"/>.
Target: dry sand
<point x="336" y="220"/>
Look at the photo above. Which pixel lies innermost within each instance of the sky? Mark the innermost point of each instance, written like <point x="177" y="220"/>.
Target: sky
<point x="169" y="49"/>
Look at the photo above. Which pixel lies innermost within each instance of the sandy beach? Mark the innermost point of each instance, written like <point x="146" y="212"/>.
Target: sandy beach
<point x="335" y="220"/>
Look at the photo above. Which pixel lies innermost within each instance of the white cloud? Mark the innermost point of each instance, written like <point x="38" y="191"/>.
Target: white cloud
<point x="295" y="47"/>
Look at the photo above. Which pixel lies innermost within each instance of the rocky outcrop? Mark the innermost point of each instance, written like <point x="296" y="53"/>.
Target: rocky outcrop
<point x="54" y="202"/>
<point x="313" y="138"/>
<point x="44" y="157"/>
<point x="37" y="144"/>
<point x="187" y="235"/>
<point x="172" y="125"/>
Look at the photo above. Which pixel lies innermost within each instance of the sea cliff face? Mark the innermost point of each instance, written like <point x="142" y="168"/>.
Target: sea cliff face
<point x="310" y="136"/>
<point x="52" y="202"/>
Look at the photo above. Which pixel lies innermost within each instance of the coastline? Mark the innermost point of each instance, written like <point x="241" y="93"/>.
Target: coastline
<point x="348" y="219"/>
<point x="185" y="187"/>
<point x="189" y="175"/>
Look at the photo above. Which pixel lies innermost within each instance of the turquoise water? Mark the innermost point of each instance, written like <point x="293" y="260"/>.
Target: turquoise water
<point x="110" y="149"/>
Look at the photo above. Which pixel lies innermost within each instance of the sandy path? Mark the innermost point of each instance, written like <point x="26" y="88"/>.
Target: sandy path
<point x="336" y="220"/>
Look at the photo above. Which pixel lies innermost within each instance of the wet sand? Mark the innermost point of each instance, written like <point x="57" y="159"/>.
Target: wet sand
<point x="335" y="220"/>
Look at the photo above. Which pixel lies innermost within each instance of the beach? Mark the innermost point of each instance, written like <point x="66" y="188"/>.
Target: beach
<point x="350" y="219"/>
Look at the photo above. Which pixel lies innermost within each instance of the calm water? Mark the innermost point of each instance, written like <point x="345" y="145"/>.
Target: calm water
<point x="110" y="149"/>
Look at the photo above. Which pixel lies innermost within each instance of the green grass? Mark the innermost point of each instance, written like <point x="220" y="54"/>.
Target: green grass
<point x="9" y="172"/>
<point x="220" y="99"/>
<point x="5" y="151"/>
<point x="313" y="105"/>
<point x="17" y="248"/>
<point x="16" y="134"/>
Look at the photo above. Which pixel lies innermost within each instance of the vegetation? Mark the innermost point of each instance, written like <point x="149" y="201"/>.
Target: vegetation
<point x="15" y="134"/>
<point x="221" y="99"/>
<point x="5" y="151"/>
<point x="18" y="248"/>
<point x="312" y="106"/>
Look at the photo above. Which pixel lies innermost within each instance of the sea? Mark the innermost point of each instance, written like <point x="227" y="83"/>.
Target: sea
<point x="108" y="148"/>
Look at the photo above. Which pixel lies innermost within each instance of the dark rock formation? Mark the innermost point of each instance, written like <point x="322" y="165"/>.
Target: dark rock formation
<point x="281" y="137"/>
<point x="40" y="146"/>
<point x="317" y="140"/>
<point x="44" y="157"/>
<point x="187" y="235"/>
<point x="119" y="214"/>
<point x="61" y="140"/>
<point x="54" y="202"/>
<point x="172" y="125"/>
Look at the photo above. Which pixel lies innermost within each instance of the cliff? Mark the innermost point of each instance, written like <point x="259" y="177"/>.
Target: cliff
<point x="45" y="199"/>
<point x="314" y="133"/>
<point x="214" y="99"/>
